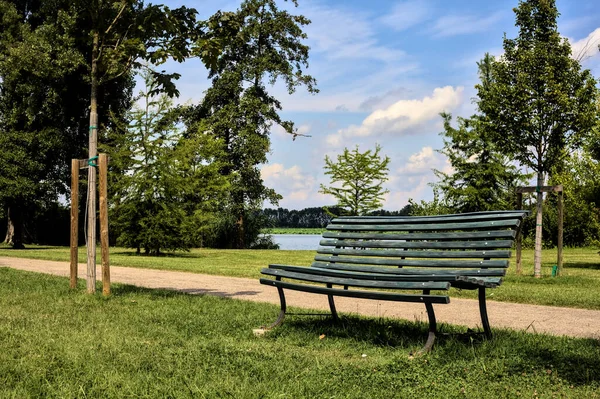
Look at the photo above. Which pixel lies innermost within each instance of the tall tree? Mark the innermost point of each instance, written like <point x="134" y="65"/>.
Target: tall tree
<point x="483" y="178"/>
<point x="540" y="102"/>
<point x="357" y="180"/>
<point x="261" y="45"/>
<point x="43" y="104"/>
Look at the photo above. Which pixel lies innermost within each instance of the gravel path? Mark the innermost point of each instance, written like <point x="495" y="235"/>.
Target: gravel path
<point x="533" y="318"/>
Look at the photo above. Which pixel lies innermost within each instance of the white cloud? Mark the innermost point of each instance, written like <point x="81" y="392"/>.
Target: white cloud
<point x="406" y="15"/>
<point x="453" y="25"/>
<point x="413" y="178"/>
<point x="423" y="162"/>
<point x="587" y="47"/>
<point x="296" y="186"/>
<point x="404" y="117"/>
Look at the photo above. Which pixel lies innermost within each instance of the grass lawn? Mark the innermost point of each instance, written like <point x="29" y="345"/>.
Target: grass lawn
<point x="143" y="343"/>
<point x="579" y="286"/>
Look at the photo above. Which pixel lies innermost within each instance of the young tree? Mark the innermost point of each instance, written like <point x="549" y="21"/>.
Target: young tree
<point x="539" y="102"/>
<point x="357" y="180"/>
<point x="261" y="44"/>
<point x="165" y="188"/>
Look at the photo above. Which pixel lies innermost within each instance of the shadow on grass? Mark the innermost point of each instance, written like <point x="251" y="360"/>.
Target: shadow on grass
<point x="169" y="292"/>
<point x="187" y="255"/>
<point x="513" y="352"/>
<point x="584" y="265"/>
<point x="26" y="248"/>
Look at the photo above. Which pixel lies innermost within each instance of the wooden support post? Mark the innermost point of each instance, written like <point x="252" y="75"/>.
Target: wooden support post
<point x="74" y="220"/>
<point x="519" y="236"/>
<point x="559" y="261"/>
<point x="103" y="171"/>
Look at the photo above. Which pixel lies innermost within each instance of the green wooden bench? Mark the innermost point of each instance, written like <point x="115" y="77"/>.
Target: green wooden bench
<point x="360" y="256"/>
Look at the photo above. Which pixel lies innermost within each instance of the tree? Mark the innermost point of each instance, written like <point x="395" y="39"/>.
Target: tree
<point x="539" y="103"/>
<point x="261" y="45"/>
<point x="43" y="105"/>
<point x="483" y="178"/>
<point x="357" y="180"/>
<point x="164" y="188"/>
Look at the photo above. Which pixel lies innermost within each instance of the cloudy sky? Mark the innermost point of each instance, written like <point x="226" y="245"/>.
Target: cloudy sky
<point x="385" y="70"/>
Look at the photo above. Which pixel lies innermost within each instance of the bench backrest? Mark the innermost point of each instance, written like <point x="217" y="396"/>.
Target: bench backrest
<point x="472" y="242"/>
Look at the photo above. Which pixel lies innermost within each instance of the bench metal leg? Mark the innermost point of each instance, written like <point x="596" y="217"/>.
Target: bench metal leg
<point x="485" y="323"/>
<point x="334" y="314"/>
<point x="281" y="312"/>
<point x="432" y="327"/>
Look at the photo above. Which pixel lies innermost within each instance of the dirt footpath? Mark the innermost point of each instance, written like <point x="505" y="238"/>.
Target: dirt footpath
<point x="533" y="318"/>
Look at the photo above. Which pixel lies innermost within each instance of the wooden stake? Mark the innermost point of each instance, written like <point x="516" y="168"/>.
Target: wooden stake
<point x="559" y="261"/>
<point x="519" y="236"/>
<point x="74" y="220"/>
<point x="103" y="169"/>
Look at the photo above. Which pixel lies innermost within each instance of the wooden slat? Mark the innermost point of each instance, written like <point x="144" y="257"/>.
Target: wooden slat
<point x="402" y="285"/>
<point x="456" y="218"/>
<point x="377" y="276"/>
<point x="416" y="254"/>
<point x="410" y="225"/>
<point x="456" y="263"/>
<point x="422" y="236"/>
<point x="429" y="274"/>
<point x="383" y="296"/>
<point x="471" y="283"/>
<point x="419" y="244"/>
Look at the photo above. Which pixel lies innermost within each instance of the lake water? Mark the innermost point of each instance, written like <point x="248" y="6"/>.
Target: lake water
<point x="297" y="241"/>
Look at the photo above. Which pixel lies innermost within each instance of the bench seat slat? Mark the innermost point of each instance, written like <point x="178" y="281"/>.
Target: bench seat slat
<point x="469" y="282"/>
<point x="416" y="254"/>
<point x="454" y="263"/>
<point x="422" y="236"/>
<point x="419" y="244"/>
<point x="402" y="285"/>
<point x="411" y="226"/>
<point x="479" y="217"/>
<point x="429" y="273"/>
<point x="364" y="275"/>
<point x="384" y="296"/>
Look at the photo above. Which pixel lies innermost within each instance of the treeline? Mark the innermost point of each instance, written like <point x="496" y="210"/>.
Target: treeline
<point x="316" y="217"/>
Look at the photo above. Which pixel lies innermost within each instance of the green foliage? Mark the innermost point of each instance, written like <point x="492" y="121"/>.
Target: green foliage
<point x="361" y="176"/>
<point x="437" y="206"/>
<point x="581" y="183"/>
<point x="43" y="104"/>
<point x="539" y="103"/>
<point x="261" y="44"/>
<point x="482" y="178"/>
<point x="166" y="187"/>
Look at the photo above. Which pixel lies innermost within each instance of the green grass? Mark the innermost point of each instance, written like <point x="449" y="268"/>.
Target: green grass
<point x="143" y="343"/>
<point x="294" y="230"/>
<point x="579" y="286"/>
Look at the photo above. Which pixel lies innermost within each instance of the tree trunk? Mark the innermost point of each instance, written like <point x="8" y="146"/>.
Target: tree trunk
<point x="537" y="258"/>
<point x="240" y="242"/>
<point x="93" y="142"/>
<point x="14" y="229"/>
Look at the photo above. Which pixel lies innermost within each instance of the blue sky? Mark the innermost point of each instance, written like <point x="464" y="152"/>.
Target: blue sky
<point x="385" y="70"/>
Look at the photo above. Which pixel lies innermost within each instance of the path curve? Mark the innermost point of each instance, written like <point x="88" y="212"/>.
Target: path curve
<point x="581" y="323"/>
